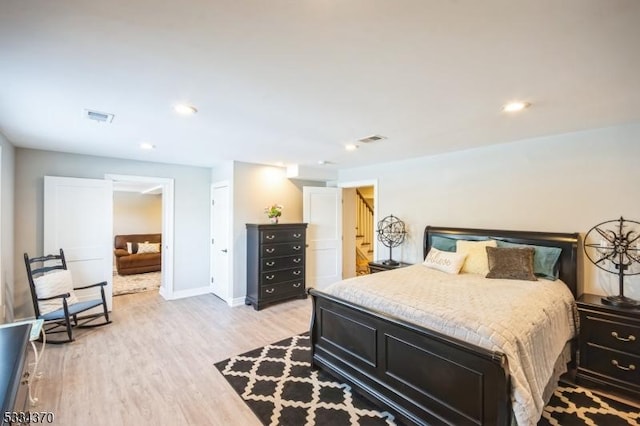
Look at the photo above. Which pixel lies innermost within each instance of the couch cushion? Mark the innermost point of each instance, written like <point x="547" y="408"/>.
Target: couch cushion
<point x="120" y="241"/>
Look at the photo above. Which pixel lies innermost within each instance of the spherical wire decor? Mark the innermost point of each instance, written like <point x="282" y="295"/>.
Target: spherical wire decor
<point x="614" y="246"/>
<point x="391" y="233"/>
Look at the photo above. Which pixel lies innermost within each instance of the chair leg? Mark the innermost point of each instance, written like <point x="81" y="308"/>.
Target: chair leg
<point x="104" y="305"/>
<point x="69" y="329"/>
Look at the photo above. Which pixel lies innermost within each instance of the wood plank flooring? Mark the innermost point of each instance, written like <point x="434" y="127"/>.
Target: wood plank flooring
<point x="154" y="364"/>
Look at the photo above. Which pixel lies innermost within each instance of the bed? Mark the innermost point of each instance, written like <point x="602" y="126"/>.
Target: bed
<point x="423" y="374"/>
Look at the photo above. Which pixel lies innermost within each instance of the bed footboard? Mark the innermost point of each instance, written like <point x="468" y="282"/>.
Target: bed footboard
<point x="425" y="377"/>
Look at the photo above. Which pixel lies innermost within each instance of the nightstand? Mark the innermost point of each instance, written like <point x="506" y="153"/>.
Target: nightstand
<point x="378" y="266"/>
<point x="609" y="346"/>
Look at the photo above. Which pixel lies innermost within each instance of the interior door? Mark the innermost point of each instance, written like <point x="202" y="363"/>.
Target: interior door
<point x="220" y="241"/>
<point x="78" y="217"/>
<point x="322" y="210"/>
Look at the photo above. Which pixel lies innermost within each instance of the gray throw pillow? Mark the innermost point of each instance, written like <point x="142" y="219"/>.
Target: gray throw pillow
<point x="511" y="263"/>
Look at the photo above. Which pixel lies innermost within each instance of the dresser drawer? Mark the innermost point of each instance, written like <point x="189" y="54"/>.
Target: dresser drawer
<point x="611" y="363"/>
<point x="609" y="331"/>
<point x="281" y="235"/>
<point x="275" y="263"/>
<point x="282" y="289"/>
<point x="283" y="249"/>
<point x="274" y="277"/>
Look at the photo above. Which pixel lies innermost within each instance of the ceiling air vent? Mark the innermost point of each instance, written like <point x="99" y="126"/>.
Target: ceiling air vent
<point x="101" y="117"/>
<point x="372" y="138"/>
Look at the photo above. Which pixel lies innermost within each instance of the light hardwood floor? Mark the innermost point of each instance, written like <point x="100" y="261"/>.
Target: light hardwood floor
<point x="154" y="364"/>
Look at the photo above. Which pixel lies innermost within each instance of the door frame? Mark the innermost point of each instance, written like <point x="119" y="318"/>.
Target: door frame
<point x="166" y="287"/>
<point x="376" y="200"/>
<point x="230" y="253"/>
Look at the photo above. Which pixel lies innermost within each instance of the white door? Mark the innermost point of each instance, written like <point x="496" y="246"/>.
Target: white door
<point x="78" y="217"/>
<point x="220" y="241"/>
<point x="322" y="210"/>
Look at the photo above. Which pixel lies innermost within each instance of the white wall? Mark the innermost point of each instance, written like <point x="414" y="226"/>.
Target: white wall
<point x="562" y="183"/>
<point x="135" y="213"/>
<point x="255" y="187"/>
<point x="6" y="229"/>
<point x="191" y="215"/>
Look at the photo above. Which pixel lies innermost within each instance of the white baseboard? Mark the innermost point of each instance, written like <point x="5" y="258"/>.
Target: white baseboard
<point x="181" y="294"/>
<point x="238" y="301"/>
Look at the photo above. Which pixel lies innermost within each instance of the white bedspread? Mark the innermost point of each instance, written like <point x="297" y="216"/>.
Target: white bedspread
<point x="528" y="321"/>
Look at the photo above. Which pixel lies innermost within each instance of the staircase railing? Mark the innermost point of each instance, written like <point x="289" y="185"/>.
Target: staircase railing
<point x="364" y="219"/>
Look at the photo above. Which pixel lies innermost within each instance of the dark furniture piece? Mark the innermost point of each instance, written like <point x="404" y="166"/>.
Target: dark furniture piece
<point x="609" y="346"/>
<point x="424" y="376"/>
<point x="136" y="263"/>
<point x="378" y="266"/>
<point x="14" y="376"/>
<point x="62" y="320"/>
<point x="275" y="263"/>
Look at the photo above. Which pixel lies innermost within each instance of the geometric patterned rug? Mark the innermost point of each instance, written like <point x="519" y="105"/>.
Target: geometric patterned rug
<point x="280" y="387"/>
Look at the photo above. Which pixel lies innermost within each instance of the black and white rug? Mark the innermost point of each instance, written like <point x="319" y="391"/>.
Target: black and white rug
<point x="278" y="384"/>
<point x="135" y="283"/>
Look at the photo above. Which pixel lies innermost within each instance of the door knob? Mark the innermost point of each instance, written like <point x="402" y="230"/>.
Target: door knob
<point x="224" y="250"/>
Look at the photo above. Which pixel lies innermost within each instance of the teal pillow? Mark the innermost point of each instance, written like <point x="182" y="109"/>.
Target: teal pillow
<point x="443" y="243"/>
<point x="545" y="259"/>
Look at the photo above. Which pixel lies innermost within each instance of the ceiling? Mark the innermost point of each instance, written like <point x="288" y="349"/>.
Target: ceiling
<point x="292" y="82"/>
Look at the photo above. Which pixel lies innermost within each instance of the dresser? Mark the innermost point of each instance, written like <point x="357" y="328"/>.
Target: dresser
<point x="609" y="346"/>
<point x="14" y="377"/>
<point x="275" y="263"/>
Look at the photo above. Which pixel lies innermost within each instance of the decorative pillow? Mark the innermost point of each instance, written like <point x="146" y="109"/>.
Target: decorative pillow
<point x="476" y="261"/>
<point x="148" y="248"/>
<point x="53" y="284"/>
<point x="132" y="248"/>
<point x="545" y="259"/>
<point x="444" y="261"/>
<point x="443" y="243"/>
<point x="511" y="263"/>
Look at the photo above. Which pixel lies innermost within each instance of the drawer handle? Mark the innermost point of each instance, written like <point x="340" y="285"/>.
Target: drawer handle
<point x="631" y="367"/>
<point x="631" y="337"/>
<point x="270" y="237"/>
<point x="296" y="285"/>
<point x="297" y="272"/>
<point x="270" y="277"/>
<point x="271" y="263"/>
<point x="297" y="235"/>
<point x="297" y="247"/>
<point x="270" y="250"/>
<point x="297" y="260"/>
<point x="270" y="290"/>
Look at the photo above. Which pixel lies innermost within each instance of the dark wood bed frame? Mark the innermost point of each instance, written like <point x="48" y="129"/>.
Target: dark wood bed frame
<point x="423" y="376"/>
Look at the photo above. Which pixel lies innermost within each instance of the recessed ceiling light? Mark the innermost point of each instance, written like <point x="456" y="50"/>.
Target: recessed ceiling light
<point x="147" y="146"/>
<point x="351" y="147"/>
<point x="515" y="106"/>
<point x="322" y="162"/>
<point x="184" y="109"/>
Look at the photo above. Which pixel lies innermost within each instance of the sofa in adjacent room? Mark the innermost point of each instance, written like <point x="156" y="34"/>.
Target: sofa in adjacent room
<point x="138" y="253"/>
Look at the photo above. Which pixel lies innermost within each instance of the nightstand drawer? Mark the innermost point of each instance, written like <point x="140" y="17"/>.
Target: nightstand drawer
<point x="607" y="331"/>
<point x="612" y="363"/>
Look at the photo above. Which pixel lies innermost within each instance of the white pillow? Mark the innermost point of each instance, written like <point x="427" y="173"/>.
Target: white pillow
<point x="148" y="248"/>
<point x="445" y="261"/>
<point x="130" y="247"/>
<point x="476" y="251"/>
<point x="52" y="284"/>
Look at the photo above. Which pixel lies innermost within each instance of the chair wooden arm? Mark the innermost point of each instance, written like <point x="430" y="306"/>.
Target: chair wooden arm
<point x="59" y="296"/>
<point x="100" y="284"/>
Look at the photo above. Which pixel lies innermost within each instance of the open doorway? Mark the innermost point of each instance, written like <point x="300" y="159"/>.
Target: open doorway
<point x="359" y="218"/>
<point x="142" y="234"/>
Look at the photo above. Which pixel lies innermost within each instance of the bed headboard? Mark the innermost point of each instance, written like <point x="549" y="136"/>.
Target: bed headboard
<point x="567" y="263"/>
